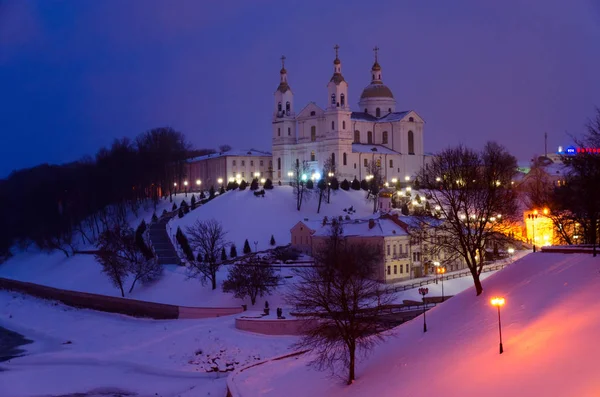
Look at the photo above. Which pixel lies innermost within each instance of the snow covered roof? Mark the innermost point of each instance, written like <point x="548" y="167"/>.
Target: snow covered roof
<point x="365" y="148"/>
<point x="231" y="153"/>
<point x="395" y="116"/>
<point x="382" y="227"/>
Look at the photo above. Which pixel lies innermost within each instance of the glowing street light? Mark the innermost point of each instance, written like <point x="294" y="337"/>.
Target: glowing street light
<point x="263" y="180"/>
<point x="407" y="178"/>
<point x="317" y="176"/>
<point x="256" y="174"/>
<point x="304" y="177"/>
<point x="438" y="179"/>
<point x="394" y="180"/>
<point x="423" y="292"/>
<point x="185" y="183"/>
<point x="532" y="218"/>
<point x="511" y="251"/>
<point x="442" y="271"/>
<point x="198" y="182"/>
<point x="330" y="174"/>
<point x="499" y="302"/>
<point x="220" y="181"/>
<point x="438" y="208"/>
<point x="408" y="188"/>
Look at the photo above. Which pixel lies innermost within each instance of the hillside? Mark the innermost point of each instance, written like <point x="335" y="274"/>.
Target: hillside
<point x="244" y="216"/>
<point x="550" y="327"/>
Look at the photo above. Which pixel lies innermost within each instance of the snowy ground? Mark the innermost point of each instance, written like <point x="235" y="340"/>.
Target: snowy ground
<point x="550" y="331"/>
<point x="81" y="350"/>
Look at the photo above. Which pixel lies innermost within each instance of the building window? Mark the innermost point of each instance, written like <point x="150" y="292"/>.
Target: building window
<point x="333" y="99"/>
<point x="270" y="163"/>
<point x="356" y="136"/>
<point x="287" y="106"/>
<point x="243" y="163"/>
<point x="366" y="111"/>
<point x="394" y="249"/>
<point x="411" y="142"/>
<point x="313" y="133"/>
<point x="389" y="110"/>
<point x="251" y="163"/>
<point x="243" y="174"/>
<point x="312" y="113"/>
<point x="388" y="250"/>
<point x="369" y="137"/>
<point x="395" y="269"/>
<point x="233" y="163"/>
<point x="312" y="156"/>
<point x="377" y="112"/>
<point x="389" y="268"/>
<point x="343" y="124"/>
<point x="384" y="138"/>
<point x="366" y="163"/>
<point x="289" y="131"/>
<point x="378" y="162"/>
<point x="297" y="163"/>
<point x="354" y="165"/>
<point x="278" y="131"/>
<point x="345" y="158"/>
<point x="407" y="271"/>
<point x="343" y="99"/>
<point x="279" y="106"/>
<point x="412" y="120"/>
<point x="261" y="163"/>
<point x="391" y="163"/>
<point x="333" y="125"/>
<point x="278" y="163"/>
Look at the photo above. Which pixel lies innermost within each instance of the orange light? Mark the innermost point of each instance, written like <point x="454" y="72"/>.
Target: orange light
<point x="535" y="212"/>
<point x="497" y="301"/>
<point x="545" y="211"/>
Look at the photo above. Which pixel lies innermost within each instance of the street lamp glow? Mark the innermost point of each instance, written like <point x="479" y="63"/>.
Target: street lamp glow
<point x="290" y="174"/>
<point x="463" y="217"/>
<point x="317" y="176"/>
<point x="535" y="212"/>
<point x="408" y="188"/>
<point x="511" y="251"/>
<point x="545" y="211"/>
<point x="220" y="181"/>
<point x="174" y="183"/>
<point x="497" y="301"/>
<point x="185" y="183"/>
<point x="438" y="179"/>
<point x="386" y="184"/>
<point x="331" y="174"/>
<point x="198" y="182"/>
<point x="438" y="208"/>
<point x="415" y="202"/>
<point x="304" y="177"/>
<point x="238" y="176"/>
<point x="407" y="178"/>
<point x="256" y="174"/>
<point x="262" y="180"/>
<point x="394" y="181"/>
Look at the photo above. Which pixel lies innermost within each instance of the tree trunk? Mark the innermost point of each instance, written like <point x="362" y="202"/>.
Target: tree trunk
<point x="213" y="281"/>
<point x="320" y="199"/>
<point x="133" y="284"/>
<point x="477" y="282"/>
<point x="352" y="353"/>
<point x="121" y="288"/>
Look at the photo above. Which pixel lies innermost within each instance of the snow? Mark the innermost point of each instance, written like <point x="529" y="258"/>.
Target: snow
<point x="81" y="350"/>
<point x="245" y="216"/>
<point x="550" y="325"/>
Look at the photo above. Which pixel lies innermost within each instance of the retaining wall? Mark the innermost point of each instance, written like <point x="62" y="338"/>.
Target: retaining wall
<point x="294" y="326"/>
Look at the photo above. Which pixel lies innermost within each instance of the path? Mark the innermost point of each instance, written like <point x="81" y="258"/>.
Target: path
<point x="165" y="252"/>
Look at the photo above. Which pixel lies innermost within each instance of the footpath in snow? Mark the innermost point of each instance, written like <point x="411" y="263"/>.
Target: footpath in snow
<point x="551" y="324"/>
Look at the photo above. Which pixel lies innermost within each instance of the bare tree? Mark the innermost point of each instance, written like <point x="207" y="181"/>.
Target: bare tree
<point x="224" y="148"/>
<point x="251" y="277"/>
<point x="474" y="203"/>
<point x="343" y="302"/>
<point x="207" y="238"/>
<point x="298" y="182"/>
<point x="329" y="173"/>
<point x="113" y="265"/>
<point x="375" y="182"/>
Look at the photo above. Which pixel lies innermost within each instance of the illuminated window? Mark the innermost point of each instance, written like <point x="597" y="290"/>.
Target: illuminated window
<point x="312" y="156"/>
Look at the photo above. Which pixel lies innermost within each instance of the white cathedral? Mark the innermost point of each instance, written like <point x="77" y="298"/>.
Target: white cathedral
<point x="351" y="139"/>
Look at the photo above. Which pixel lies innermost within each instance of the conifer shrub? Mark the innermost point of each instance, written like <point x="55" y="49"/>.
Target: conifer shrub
<point x="233" y="251"/>
<point x="254" y="184"/>
<point x="355" y="184"/>
<point x="269" y="184"/>
<point x="272" y="242"/>
<point x="247" y="249"/>
<point x="345" y="185"/>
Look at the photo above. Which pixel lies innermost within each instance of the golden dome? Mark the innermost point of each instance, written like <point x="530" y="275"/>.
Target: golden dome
<point x="377" y="91"/>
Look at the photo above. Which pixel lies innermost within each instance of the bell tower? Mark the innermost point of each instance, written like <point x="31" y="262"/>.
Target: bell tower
<point x="284" y="126"/>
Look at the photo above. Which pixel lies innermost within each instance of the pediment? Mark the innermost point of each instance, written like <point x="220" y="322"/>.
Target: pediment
<point x="311" y="111"/>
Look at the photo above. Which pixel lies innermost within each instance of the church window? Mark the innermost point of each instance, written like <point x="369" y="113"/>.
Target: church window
<point x="343" y="124"/>
<point x="333" y="125"/>
<point x="379" y="77"/>
<point x="289" y="131"/>
<point x="312" y="156"/>
<point x="278" y="131"/>
<point x="279" y="106"/>
<point x="243" y="163"/>
<point x="369" y="137"/>
<point x="313" y="133"/>
<point x="345" y="157"/>
<point x="411" y="119"/>
<point x="287" y="106"/>
<point x="343" y="99"/>
<point x="356" y="136"/>
<point x="270" y="163"/>
<point x="251" y="163"/>
<point x="377" y="112"/>
<point x="391" y="163"/>
<point x="378" y="162"/>
<point x="333" y="99"/>
<point x="354" y="165"/>
<point x="261" y="163"/>
<point x="373" y="77"/>
<point x="366" y="163"/>
<point x="384" y="138"/>
<point x="366" y="111"/>
<point x="297" y="163"/>
<point x="278" y="163"/>
<point x="233" y="163"/>
<point x="411" y="142"/>
<point x="389" y="110"/>
<point x="243" y="176"/>
<point x="395" y="268"/>
<point x="312" y="113"/>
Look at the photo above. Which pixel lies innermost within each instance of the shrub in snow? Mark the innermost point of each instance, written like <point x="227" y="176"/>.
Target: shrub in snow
<point x="279" y="182"/>
<point x="345" y="185"/>
<point x="223" y="254"/>
<point x="269" y="184"/>
<point x="183" y="242"/>
<point x="154" y="217"/>
<point x="404" y="209"/>
<point x="335" y="185"/>
<point x="141" y="241"/>
<point x="202" y="195"/>
<point x="193" y="201"/>
<point x="324" y="221"/>
<point x="310" y="184"/>
<point x="232" y="185"/>
<point x="260" y="193"/>
<point x="284" y="254"/>
<point x="184" y="206"/>
<point x="174" y="208"/>
<point x="222" y="190"/>
<point x="355" y="184"/>
<point x="243" y="185"/>
<point x="164" y="212"/>
<point x="247" y="248"/>
<point x="251" y="278"/>
<point x="232" y="251"/>
<point x="180" y="212"/>
<point x="254" y="184"/>
<point x="272" y="242"/>
<point x="364" y="185"/>
<point x="211" y="193"/>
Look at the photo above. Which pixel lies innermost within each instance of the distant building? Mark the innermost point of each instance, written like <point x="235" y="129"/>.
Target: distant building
<point x="350" y="139"/>
<point x="206" y="171"/>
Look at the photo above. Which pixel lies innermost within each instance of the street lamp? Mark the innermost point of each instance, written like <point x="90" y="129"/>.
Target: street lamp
<point x="423" y="292"/>
<point x="511" y="251"/>
<point x="185" y="183"/>
<point x="175" y="187"/>
<point x="220" y="181"/>
<point x="442" y="271"/>
<point x="407" y="178"/>
<point x="437" y="266"/>
<point x="198" y="183"/>
<point x="256" y="174"/>
<point x="262" y="180"/>
<point x="499" y="302"/>
<point x="533" y="217"/>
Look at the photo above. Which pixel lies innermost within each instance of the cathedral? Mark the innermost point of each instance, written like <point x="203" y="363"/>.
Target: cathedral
<point x="376" y="133"/>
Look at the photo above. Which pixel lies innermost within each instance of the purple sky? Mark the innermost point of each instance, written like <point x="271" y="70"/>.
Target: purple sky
<point x="74" y="75"/>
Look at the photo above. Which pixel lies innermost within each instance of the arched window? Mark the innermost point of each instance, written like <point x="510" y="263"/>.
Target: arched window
<point x="313" y="113"/>
<point x="333" y="158"/>
<point x="356" y="136"/>
<point x="373" y="76"/>
<point x="333" y="99"/>
<point x="389" y="110"/>
<point x="378" y="162"/>
<point x="369" y="137"/>
<point x="278" y="131"/>
<point x="279" y="106"/>
<point x="384" y="138"/>
<point x="345" y="158"/>
<point x="379" y="77"/>
<point x="343" y="124"/>
<point x="343" y="99"/>
<point x="377" y="112"/>
<point x="312" y="156"/>
<point x="411" y="119"/>
<point x="411" y="142"/>
<point x="278" y="163"/>
<point x="333" y="125"/>
<point x="287" y="106"/>
<point x="391" y="163"/>
<point x="313" y="133"/>
<point x="289" y="131"/>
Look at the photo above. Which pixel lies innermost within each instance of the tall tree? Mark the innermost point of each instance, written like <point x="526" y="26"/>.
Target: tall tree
<point x="251" y="277"/>
<point x="298" y="182"/>
<point x="207" y="238"/>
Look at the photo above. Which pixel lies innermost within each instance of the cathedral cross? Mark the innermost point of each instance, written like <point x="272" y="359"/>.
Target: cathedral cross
<point x="376" y="49"/>
<point x="283" y="61"/>
<point x="336" y="48"/>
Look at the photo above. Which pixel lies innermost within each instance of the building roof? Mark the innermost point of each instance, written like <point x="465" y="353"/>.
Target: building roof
<point x="231" y="153"/>
<point x="366" y="148"/>
<point x="382" y="227"/>
<point x="395" y="116"/>
<point x="377" y="90"/>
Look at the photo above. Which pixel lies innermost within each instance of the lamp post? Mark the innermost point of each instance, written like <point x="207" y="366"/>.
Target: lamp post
<point x="511" y="251"/>
<point x="436" y="264"/>
<point x="198" y="183"/>
<point x="533" y="217"/>
<point x="220" y="181"/>
<point x="499" y="302"/>
<point x="423" y="292"/>
<point x="175" y="188"/>
<point x="185" y="183"/>
<point x="442" y="271"/>
<point x="290" y="175"/>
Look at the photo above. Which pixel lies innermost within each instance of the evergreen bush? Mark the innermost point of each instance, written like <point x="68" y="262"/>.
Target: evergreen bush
<point x="310" y="184"/>
<point x="193" y="201"/>
<point x="335" y="185"/>
<point x="269" y="184"/>
<point x="254" y="184"/>
<point x="355" y="184"/>
<point x="174" y="208"/>
<point x="184" y="244"/>
<point x="345" y="185"/>
<point x="154" y="217"/>
<point x="364" y="185"/>
<point x="243" y="185"/>
<point x="233" y="251"/>
<point x="247" y="249"/>
<point x="272" y="242"/>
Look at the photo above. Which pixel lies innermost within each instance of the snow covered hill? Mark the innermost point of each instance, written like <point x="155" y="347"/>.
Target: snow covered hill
<point x="245" y="216"/>
<point x="550" y="327"/>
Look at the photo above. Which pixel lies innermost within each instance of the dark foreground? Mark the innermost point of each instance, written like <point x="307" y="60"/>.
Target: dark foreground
<point x="9" y="344"/>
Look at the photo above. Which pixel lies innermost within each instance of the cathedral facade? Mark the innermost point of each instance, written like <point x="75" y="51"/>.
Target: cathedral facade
<point x="377" y="132"/>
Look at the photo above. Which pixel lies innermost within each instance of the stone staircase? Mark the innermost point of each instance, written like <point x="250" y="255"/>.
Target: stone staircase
<point x="166" y="253"/>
